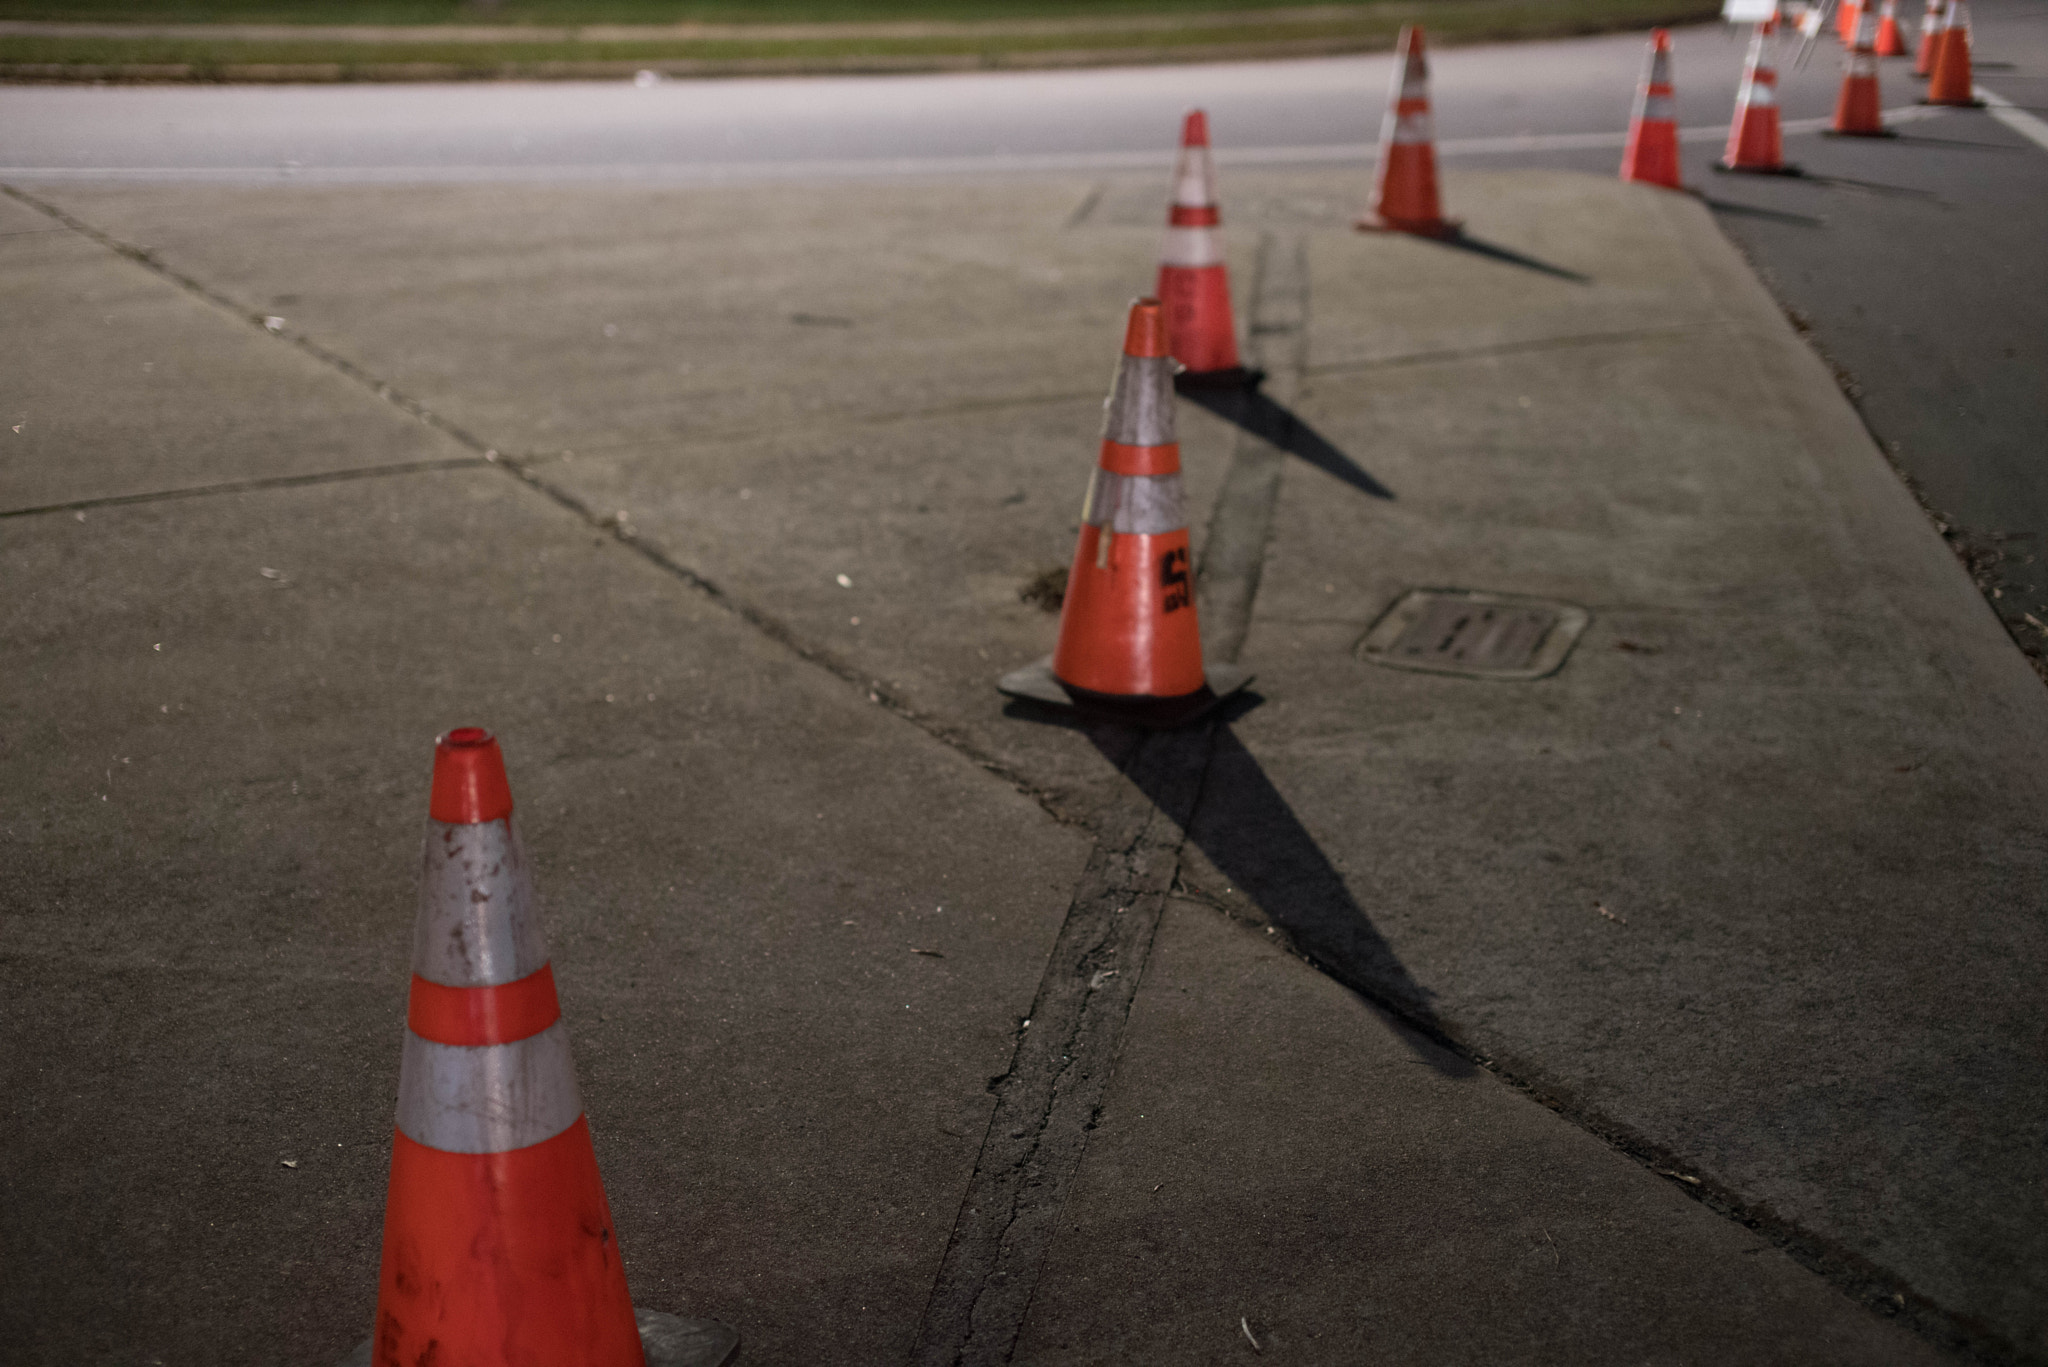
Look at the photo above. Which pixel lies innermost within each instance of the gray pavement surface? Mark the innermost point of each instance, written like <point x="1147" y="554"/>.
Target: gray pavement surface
<point x="1677" y="1008"/>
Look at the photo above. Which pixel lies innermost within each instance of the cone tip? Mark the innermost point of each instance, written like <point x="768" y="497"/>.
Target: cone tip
<point x="469" y="779"/>
<point x="1194" y="130"/>
<point x="1146" y="333"/>
<point x="1660" y="38"/>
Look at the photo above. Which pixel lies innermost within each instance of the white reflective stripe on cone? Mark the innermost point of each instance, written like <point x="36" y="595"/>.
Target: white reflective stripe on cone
<point x="1191" y="247"/>
<point x="1192" y="186"/>
<point x="478" y="922"/>
<point x="1410" y="127"/>
<point x="1135" y="505"/>
<point x="488" y="1098"/>
<point x="1659" y="107"/>
<point x="1139" y="411"/>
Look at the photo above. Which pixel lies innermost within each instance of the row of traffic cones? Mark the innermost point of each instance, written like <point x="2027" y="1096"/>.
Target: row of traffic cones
<point x="1130" y="645"/>
<point x="499" y="1245"/>
<point x="1755" y="137"/>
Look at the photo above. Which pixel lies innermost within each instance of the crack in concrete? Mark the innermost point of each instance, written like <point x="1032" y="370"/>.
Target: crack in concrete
<point x="1050" y="1098"/>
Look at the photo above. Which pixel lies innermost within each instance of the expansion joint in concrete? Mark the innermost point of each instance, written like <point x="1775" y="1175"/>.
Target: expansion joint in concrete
<point x="1050" y="1098"/>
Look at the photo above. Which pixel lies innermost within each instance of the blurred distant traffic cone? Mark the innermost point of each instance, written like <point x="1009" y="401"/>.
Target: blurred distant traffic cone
<point x="1847" y="20"/>
<point x="1130" y="647"/>
<point x="1951" y="81"/>
<point x="1404" y="196"/>
<point x="1194" y="284"/>
<point x="1930" y="36"/>
<point x="1890" y="42"/>
<point x="1754" y="141"/>
<point x="1652" y="152"/>
<point x="499" y="1246"/>
<point x="1858" y="111"/>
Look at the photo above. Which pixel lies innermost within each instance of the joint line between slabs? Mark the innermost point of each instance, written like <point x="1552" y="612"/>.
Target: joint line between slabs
<point x="1063" y="1061"/>
<point x="244" y="486"/>
<point x="763" y="622"/>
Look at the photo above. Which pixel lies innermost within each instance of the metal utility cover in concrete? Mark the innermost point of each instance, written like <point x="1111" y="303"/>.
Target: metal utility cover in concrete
<point x="1478" y="635"/>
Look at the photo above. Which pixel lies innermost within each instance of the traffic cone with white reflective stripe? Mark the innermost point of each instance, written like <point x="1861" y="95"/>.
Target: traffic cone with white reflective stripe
<point x="1890" y="41"/>
<point x="499" y="1246"/>
<point x="1652" y="152"/>
<point x="1930" y="34"/>
<point x="1130" y="645"/>
<point x="1755" y="143"/>
<point x="1404" y="195"/>
<point x="1951" y="82"/>
<point x="1194" y="283"/>
<point x="1847" y="20"/>
<point x="1859" y="113"/>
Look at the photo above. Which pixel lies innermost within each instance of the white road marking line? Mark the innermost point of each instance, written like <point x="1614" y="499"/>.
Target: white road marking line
<point x="2017" y="119"/>
<point x="713" y="172"/>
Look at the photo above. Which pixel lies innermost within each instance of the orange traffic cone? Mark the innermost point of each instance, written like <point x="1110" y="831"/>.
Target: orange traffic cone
<point x="1951" y="81"/>
<point x="1847" y="19"/>
<point x="1652" y="152"/>
<point x="499" y="1246"/>
<point x="1890" y="42"/>
<point x="1404" y="197"/>
<point x="1130" y="647"/>
<point x="1194" y="284"/>
<point x="1858" y="111"/>
<point x="1930" y="37"/>
<point x="1754" y="141"/>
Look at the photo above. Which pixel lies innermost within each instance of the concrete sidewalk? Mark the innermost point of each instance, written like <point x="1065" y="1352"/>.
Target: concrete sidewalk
<point x="1676" y="1008"/>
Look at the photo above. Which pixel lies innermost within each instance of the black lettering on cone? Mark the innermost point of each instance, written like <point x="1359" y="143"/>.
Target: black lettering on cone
<point x="1173" y="576"/>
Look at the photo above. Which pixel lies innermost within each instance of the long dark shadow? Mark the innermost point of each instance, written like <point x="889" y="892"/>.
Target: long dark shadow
<point x="1259" y="415"/>
<point x="1479" y="246"/>
<point x="1249" y="832"/>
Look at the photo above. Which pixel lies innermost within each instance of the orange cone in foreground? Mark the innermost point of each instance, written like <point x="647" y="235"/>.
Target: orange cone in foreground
<point x="1404" y="196"/>
<point x="1951" y="81"/>
<point x="499" y="1246"/>
<point x="1890" y="42"/>
<point x="1194" y="284"/>
<point x="1754" y="140"/>
<point x="1652" y="152"/>
<point x="1130" y="647"/>
<point x="1930" y="36"/>
<point x="1858" y="111"/>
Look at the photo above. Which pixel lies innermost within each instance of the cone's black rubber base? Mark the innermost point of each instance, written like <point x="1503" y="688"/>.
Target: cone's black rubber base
<point x="1785" y="170"/>
<point x="668" y="1341"/>
<point x="1874" y="133"/>
<point x="1036" y="682"/>
<point x="1442" y="228"/>
<point x="1236" y="377"/>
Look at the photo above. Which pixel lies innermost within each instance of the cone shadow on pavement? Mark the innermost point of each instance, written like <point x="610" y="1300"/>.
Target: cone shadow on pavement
<point x="1257" y="413"/>
<point x="1460" y="240"/>
<point x="1248" y="831"/>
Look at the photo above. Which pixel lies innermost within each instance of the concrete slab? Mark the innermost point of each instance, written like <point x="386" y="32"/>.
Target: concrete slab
<point x="1756" y="878"/>
<point x="218" y="718"/>
<point x="122" y="386"/>
<point x="1819" y="900"/>
<point x="1278" y="1159"/>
